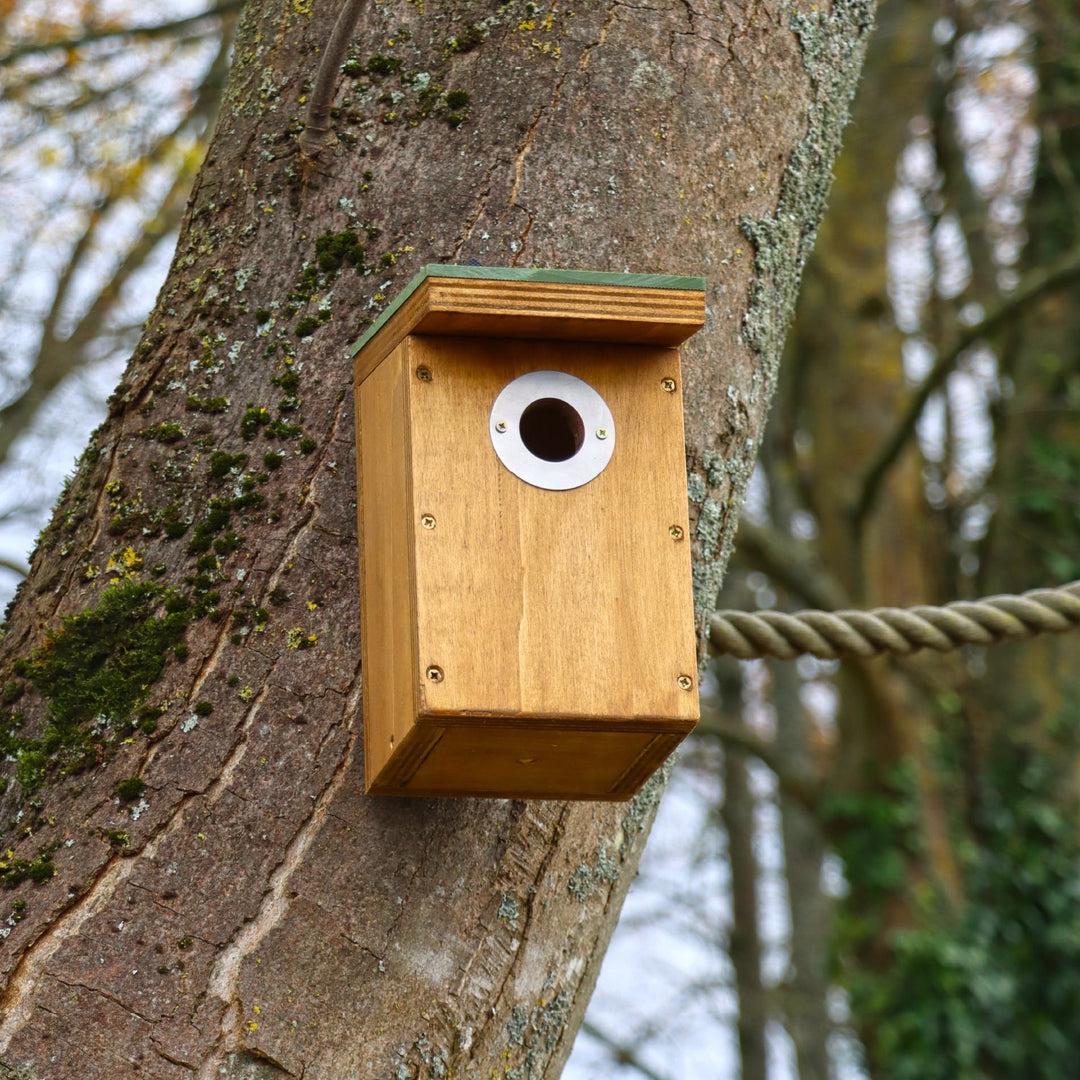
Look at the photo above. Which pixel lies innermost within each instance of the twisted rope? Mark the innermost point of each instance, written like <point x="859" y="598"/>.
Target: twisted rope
<point x="833" y="634"/>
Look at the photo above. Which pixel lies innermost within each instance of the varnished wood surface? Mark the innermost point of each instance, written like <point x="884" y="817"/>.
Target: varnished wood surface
<point x="549" y="603"/>
<point x="387" y="607"/>
<point x="501" y="761"/>
<point x="531" y="309"/>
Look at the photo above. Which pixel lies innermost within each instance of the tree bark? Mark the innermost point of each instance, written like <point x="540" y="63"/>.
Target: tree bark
<point x="252" y="913"/>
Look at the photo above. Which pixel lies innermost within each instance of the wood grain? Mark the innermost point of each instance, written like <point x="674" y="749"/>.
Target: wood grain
<point x="531" y="309"/>
<point x="559" y="622"/>
<point x="551" y="603"/>
<point x="387" y="608"/>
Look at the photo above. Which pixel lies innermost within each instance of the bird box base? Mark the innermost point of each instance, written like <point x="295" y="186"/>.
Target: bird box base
<point x="486" y="758"/>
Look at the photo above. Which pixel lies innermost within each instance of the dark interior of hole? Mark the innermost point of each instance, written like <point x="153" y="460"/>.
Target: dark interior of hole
<point x="552" y="429"/>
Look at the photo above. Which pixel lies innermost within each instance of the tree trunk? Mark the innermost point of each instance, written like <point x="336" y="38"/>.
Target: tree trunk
<point x="190" y="620"/>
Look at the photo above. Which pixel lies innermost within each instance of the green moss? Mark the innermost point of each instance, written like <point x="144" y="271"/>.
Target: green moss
<point x="207" y="405"/>
<point x="131" y="789"/>
<point x="228" y="543"/>
<point x="15" y="871"/>
<point x="117" y="838"/>
<point x="279" y="429"/>
<point x="203" y="708"/>
<point x="272" y="461"/>
<point x="383" y="65"/>
<point x="288" y="380"/>
<point x="307" y="326"/>
<point x="221" y="464"/>
<point x="263" y="316"/>
<point x="13" y="691"/>
<point x="457" y="100"/>
<point x="333" y="249"/>
<point x="100" y="663"/>
<point x="307" y="446"/>
<point x="252" y="420"/>
<point x="163" y="433"/>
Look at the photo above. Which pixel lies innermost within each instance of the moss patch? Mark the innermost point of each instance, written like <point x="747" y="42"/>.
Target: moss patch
<point x="100" y="663"/>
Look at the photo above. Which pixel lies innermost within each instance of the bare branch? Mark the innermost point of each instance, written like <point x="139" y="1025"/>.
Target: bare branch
<point x="788" y="563"/>
<point x="164" y="29"/>
<point x="317" y="130"/>
<point x="1036" y="285"/>
<point x="13" y="566"/>
<point x="58" y="358"/>
<point x="623" y="1055"/>
<point x="801" y="788"/>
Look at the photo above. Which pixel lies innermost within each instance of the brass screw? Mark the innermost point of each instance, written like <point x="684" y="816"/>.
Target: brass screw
<point x="685" y="682"/>
<point x="423" y="374"/>
<point x="434" y="673"/>
<point x="601" y="433"/>
<point x="428" y="521"/>
<point x="675" y="532"/>
<point x="668" y="385"/>
<point x="500" y="425"/>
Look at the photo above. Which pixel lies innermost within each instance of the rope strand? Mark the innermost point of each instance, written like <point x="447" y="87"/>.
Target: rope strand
<point x="831" y="635"/>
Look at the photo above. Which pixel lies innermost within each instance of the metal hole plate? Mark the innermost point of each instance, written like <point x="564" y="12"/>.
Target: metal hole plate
<point x="504" y="426"/>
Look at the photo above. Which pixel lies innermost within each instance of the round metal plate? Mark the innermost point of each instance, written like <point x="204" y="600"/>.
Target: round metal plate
<point x="598" y="441"/>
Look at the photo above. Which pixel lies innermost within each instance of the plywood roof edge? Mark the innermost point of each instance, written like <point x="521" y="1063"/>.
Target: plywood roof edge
<point x="519" y="274"/>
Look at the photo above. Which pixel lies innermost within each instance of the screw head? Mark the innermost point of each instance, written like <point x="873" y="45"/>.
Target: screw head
<point x="423" y="374"/>
<point x="668" y="385"/>
<point x="675" y="532"/>
<point x="601" y="433"/>
<point x="685" y="682"/>
<point x="428" y="521"/>
<point x="500" y="425"/>
<point x="434" y="673"/>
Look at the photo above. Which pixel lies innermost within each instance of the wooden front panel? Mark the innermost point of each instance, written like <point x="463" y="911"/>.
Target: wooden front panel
<point x="387" y="608"/>
<point x="547" y="604"/>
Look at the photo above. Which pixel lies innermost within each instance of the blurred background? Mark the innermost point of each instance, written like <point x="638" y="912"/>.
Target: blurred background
<point x="860" y="870"/>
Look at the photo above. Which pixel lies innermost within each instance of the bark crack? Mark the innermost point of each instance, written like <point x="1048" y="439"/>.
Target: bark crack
<point x="225" y="975"/>
<point x="75" y="985"/>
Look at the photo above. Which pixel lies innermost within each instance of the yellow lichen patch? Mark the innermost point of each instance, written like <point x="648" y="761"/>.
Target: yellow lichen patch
<point x="124" y="564"/>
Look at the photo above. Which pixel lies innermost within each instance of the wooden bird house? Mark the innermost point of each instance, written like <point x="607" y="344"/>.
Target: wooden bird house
<point x="527" y="619"/>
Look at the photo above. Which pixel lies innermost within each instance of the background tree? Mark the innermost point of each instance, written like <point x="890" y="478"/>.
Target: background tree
<point x="922" y="449"/>
<point x="199" y="883"/>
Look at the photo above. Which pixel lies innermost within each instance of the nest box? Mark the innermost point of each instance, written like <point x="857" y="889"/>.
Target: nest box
<point x="527" y="617"/>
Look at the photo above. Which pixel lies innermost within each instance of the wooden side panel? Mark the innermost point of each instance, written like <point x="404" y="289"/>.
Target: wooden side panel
<point x="546" y="604"/>
<point x="534" y="309"/>
<point x="387" y="610"/>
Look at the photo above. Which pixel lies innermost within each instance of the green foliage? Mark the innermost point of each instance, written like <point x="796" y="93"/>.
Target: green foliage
<point x="1049" y="506"/>
<point x="993" y="991"/>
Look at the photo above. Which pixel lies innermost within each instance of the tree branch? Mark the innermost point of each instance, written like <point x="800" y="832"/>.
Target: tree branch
<point x="32" y="48"/>
<point x="623" y="1055"/>
<point x="317" y="130"/>
<point x="799" y="787"/>
<point x="788" y="563"/>
<point x="58" y="358"/>
<point x="13" y="566"/>
<point x="1036" y="285"/>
